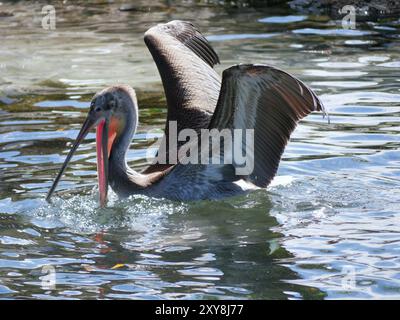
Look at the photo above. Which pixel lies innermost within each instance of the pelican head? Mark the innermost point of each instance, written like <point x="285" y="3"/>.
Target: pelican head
<point x="114" y="113"/>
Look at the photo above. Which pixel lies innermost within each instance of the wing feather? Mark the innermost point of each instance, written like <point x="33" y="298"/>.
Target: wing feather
<point x="271" y="102"/>
<point x="185" y="59"/>
<point x="185" y="62"/>
<point x="265" y="99"/>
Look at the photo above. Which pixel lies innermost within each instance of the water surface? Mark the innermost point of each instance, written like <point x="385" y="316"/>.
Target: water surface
<point x="328" y="226"/>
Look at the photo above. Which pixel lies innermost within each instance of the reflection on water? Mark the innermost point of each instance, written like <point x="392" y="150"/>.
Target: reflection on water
<point x="328" y="227"/>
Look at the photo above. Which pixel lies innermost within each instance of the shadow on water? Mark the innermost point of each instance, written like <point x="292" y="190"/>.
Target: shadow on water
<point x="337" y="210"/>
<point x="147" y="248"/>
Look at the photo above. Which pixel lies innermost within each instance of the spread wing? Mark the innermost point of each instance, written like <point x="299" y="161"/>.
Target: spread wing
<point x="266" y="100"/>
<point x="185" y="61"/>
<point x="271" y="102"/>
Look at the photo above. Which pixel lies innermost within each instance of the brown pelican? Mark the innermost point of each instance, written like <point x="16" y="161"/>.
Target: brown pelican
<point x="261" y="98"/>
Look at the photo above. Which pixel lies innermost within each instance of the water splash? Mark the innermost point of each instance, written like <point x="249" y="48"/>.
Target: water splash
<point x="82" y="214"/>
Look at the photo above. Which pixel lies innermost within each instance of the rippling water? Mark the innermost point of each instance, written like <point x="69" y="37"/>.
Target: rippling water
<point x="328" y="227"/>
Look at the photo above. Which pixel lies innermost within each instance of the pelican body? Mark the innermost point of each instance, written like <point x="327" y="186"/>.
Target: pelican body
<point x="264" y="99"/>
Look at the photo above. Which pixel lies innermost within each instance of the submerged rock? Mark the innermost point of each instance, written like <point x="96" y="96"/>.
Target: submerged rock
<point x="6" y="100"/>
<point x="5" y="14"/>
<point x="141" y="8"/>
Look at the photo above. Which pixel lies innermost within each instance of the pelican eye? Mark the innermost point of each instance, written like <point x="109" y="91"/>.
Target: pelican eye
<point x="112" y="104"/>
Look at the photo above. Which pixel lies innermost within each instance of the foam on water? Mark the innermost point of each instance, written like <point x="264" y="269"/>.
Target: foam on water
<point x="81" y="213"/>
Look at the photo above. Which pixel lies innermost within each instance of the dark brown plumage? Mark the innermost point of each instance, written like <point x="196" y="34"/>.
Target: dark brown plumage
<point x="185" y="61"/>
<point x="271" y="102"/>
